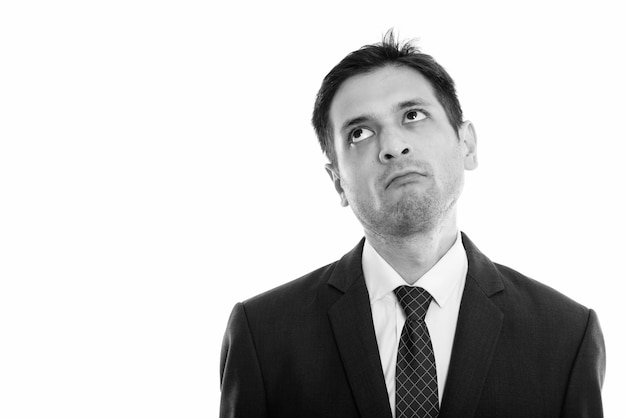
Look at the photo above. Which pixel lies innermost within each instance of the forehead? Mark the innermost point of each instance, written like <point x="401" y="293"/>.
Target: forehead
<point x="379" y="91"/>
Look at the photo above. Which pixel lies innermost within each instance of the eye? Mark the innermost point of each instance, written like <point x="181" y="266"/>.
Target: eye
<point x="414" y="115"/>
<point x="359" y="134"/>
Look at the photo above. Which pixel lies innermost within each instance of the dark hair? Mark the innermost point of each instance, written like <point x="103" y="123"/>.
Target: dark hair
<point x="371" y="57"/>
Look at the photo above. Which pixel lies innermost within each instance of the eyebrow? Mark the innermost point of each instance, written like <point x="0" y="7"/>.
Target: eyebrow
<point x="355" y="121"/>
<point x="411" y="103"/>
<point x="367" y="117"/>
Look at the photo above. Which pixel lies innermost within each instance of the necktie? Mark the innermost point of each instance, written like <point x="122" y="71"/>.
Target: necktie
<point x="416" y="373"/>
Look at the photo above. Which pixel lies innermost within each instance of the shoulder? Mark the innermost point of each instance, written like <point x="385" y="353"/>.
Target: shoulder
<point x="296" y="292"/>
<point x="318" y="289"/>
<point x="539" y="306"/>
<point x="518" y="294"/>
<point x="547" y="325"/>
<point x="535" y="293"/>
<point x="294" y="311"/>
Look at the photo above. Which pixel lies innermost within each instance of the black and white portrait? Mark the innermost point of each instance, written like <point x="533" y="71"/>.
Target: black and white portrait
<point x="158" y="166"/>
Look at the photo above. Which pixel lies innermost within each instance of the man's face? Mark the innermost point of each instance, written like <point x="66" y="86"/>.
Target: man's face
<point x="400" y="164"/>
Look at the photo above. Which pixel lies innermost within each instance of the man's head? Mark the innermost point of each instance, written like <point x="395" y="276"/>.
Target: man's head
<point x="369" y="58"/>
<point x="395" y="137"/>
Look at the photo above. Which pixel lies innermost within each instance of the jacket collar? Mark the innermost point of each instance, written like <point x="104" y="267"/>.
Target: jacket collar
<point x="348" y="269"/>
<point x="481" y="270"/>
<point x="476" y="337"/>
<point x="352" y="325"/>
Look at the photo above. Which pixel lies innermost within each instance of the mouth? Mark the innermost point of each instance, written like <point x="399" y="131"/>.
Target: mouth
<point x="405" y="177"/>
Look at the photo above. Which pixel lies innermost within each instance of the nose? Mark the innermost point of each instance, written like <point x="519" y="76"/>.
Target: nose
<point x="393" y="146"/>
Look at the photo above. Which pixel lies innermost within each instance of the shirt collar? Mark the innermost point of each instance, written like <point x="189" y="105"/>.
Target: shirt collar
<point x="440" y="281"/>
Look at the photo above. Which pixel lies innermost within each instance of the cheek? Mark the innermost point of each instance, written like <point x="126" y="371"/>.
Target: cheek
<point x="359" y="180"/>
<point x="357" y="165"/>
<point x="446" y="162"/>
<point x="454" y="166"/>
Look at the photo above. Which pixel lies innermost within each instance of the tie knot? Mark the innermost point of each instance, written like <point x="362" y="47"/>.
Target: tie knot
<point x="414" y="301"/>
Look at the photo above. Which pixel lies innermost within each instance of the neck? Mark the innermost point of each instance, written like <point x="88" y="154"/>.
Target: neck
<point x="413" y="256"/>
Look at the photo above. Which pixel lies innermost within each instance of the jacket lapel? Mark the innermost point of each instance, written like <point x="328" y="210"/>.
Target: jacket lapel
<point x="351" y="321"/>
<point x="477" y="332"/>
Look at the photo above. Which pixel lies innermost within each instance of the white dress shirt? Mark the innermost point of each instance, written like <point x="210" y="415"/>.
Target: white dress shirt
<point x="444" y="281"/>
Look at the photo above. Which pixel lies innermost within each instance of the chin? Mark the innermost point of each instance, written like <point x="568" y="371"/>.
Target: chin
<point x="416" y="215"/>
<point x="411" y="226"/>
<point x="413" y="213"/>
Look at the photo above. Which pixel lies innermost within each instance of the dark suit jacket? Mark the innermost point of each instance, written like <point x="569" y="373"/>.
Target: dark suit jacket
<point x="308" y="349"/>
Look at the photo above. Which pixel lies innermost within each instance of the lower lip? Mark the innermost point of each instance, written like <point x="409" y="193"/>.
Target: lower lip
<point x="406" y="179"/>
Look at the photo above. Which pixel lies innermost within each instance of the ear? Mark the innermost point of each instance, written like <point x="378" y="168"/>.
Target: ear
<point x="336" y="179"/>
<point x="467" y="136"/>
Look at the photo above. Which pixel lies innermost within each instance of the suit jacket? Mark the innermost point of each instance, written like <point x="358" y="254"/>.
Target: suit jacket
<point x="308" y="349"/>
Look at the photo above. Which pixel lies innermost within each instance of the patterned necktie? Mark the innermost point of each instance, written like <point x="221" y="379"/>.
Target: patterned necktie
<point x="416" y="373"/>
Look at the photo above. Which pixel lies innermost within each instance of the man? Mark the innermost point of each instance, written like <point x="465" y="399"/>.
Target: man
<point x="415" y="320"/>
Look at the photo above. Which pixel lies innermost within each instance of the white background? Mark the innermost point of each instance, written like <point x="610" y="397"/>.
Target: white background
<point x="157" y="165"/>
